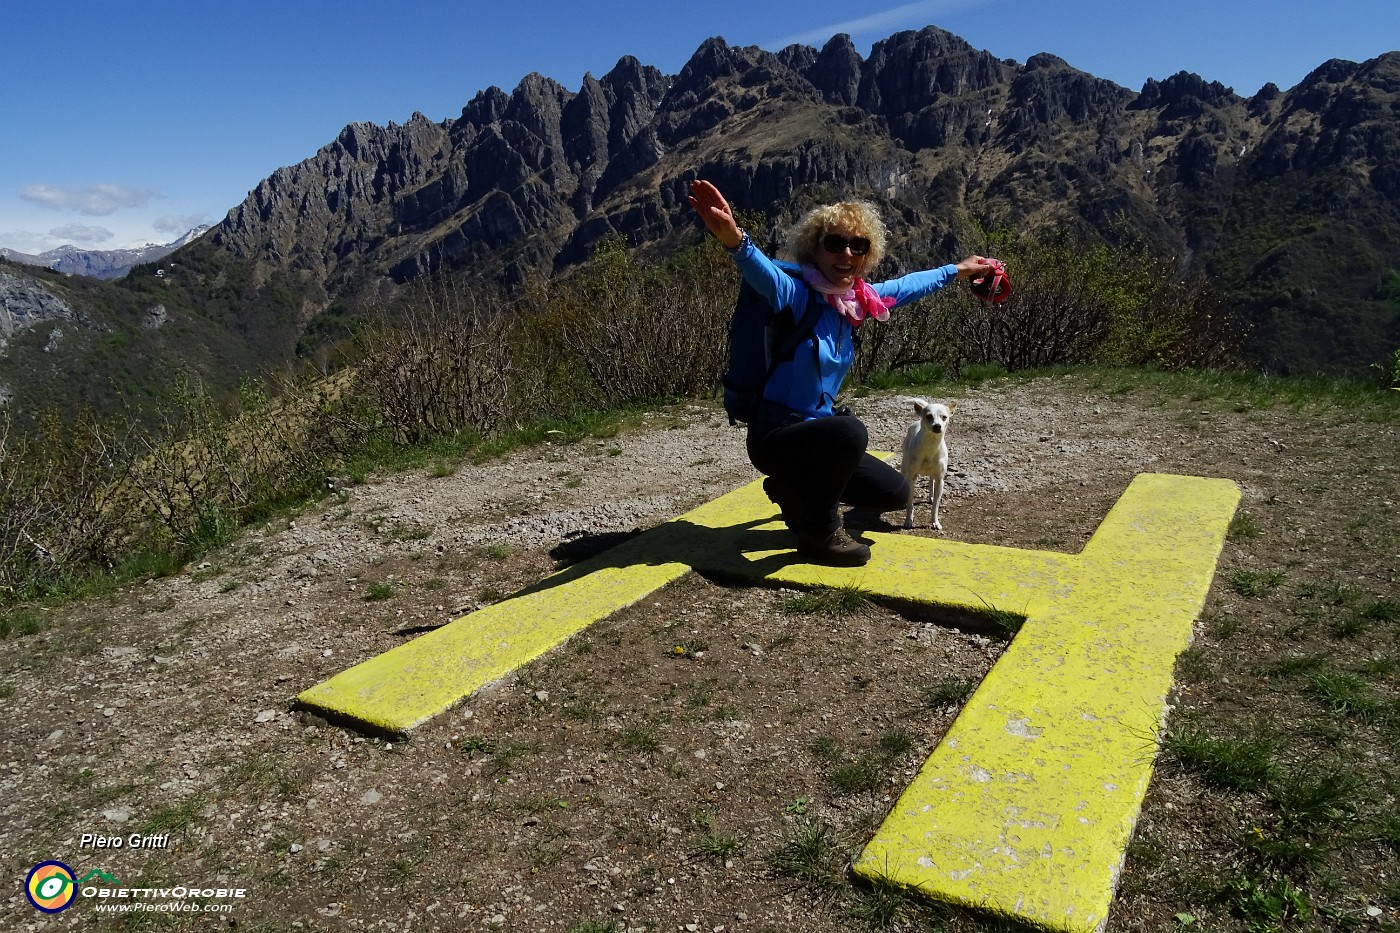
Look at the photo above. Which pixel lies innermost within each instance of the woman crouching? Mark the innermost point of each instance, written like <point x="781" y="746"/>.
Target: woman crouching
<point x="814" y="456"/>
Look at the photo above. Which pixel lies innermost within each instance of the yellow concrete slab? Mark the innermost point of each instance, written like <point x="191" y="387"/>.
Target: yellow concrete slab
<point x="409" y="684"/>
<point x="1026" y="807"/>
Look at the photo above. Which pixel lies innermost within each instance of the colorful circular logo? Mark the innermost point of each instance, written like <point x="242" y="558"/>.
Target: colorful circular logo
<point x="50" y="887"/>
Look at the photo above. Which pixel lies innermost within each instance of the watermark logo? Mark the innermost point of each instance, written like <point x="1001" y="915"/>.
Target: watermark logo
<point x="100" y="874"/>
<point x="50" y="887"/>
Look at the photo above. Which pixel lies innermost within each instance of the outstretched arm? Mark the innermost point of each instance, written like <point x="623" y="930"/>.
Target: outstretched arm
<point x="715" y="213"/>
<point x="916" y="285"/>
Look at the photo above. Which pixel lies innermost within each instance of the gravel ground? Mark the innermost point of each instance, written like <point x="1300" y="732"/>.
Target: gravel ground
<point x="615" y="784"/>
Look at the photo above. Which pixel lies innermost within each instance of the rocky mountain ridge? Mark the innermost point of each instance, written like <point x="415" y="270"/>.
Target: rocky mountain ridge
<point x="1289" y="200"/>
<point x="526" y="182"/>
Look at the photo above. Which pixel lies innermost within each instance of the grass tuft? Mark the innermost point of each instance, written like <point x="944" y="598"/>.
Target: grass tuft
<point x="1243" y="528"/>
<point x="1254" y="584"/>
<point x="638" y="739"/>
<point x="379" y="591"/>
<point x="1346" y="694"/>
<point x="838" y="601"/>
<point x="853" y="777"/>
<point x="1382" y="610"/>
<point x="1309" y="801"/>
<point x="721" y="846"/>
<point x="1236" y="764"/>
<point x="948" y="692"/>
<point x="806" y="855"/>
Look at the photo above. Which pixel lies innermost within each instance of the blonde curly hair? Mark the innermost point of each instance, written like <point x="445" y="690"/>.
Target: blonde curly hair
<point x="856" y="217"/>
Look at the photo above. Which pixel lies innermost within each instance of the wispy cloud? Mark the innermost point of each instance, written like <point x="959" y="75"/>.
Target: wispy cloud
<point x="23" y="241"/>
<point x="81" y="234"/>
<point x="908" y="16"/>
<point x="94" y="200"/>
<point x="179" y="224"/>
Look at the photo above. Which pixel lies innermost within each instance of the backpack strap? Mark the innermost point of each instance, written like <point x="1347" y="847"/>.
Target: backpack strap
<point x="805" y="326"/>
<point x="802" y="332"/>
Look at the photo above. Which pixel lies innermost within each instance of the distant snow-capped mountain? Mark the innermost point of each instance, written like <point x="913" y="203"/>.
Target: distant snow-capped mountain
<point x="101" y="263"/>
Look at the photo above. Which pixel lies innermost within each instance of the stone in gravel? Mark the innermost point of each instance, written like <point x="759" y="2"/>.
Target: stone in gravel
<point x="371" y="797"/>
<point x="266" y="715"/>
<point x="117" y="814"/>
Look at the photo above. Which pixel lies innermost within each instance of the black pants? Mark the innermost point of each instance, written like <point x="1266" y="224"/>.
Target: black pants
<point x="822" y="463"/>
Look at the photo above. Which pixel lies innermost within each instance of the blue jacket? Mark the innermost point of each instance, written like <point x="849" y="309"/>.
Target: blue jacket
<point x="809" y="383"/>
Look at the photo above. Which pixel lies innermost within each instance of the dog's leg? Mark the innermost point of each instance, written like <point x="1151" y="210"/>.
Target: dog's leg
<point x="909" y="503"/>
<point x="936" y="494"/>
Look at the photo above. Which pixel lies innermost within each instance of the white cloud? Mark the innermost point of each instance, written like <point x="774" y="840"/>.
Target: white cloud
<point x="179" y="224"/>
<point x="81" y="235"/>
<point x="94" y="200"/>
<point x="24" y="241"/>
<point x="908" y="16"/>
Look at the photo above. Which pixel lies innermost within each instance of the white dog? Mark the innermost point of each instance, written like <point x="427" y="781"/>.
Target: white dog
<point x="926" y="454"/>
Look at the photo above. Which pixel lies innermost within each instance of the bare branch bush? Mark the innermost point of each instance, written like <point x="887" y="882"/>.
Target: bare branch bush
<point x="647" y="332"/>
<point x="1072" y="304"/>
<point x="57" y="493"/>
<point x="914" y="335"/>
<point x="441" y="367"/>
<point x="202" y="472"/>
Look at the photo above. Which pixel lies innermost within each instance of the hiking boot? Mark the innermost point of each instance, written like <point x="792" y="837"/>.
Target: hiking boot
<point x="780" y="494"/>
<point x="837" y="548"/>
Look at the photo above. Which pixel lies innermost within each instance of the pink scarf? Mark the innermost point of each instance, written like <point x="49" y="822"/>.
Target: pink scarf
<point x="855" y="303"/>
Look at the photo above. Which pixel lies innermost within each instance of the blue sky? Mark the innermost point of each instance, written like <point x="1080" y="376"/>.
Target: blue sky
<point x="130" y="122"/>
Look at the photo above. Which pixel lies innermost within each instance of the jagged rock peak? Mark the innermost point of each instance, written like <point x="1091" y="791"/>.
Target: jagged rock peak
<point x="416" y="121"/>
<point x="537" y="89"/>
<point x="837" y="70"/>
<point x="537" y="103"/>
<point x="713" y="58"/>
<point x="927" y="41"/>
<point x="357" y="138"/>
<point x="486" y="107"/>
<point x="1332" y="71"/>
<point x="798" y="58"/>
<point x="630" y="71"/>
<point x="1043" y="61"/>
<point x="1181" y="88"/>
<point x="913" y="70"/>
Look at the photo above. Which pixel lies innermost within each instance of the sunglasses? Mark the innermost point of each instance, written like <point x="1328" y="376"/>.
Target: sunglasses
<point x="858" y="245"/>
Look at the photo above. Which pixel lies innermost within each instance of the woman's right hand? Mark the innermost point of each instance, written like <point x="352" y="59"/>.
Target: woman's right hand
<point x="715" y="213"/>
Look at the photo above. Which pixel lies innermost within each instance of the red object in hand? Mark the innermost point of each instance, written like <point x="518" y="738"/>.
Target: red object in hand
<point x="994" y="286"/>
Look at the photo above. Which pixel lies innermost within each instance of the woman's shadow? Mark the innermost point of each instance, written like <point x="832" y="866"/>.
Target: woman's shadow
<point x="724" y="552"/>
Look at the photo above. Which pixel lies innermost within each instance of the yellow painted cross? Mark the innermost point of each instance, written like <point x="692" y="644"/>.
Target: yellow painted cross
<point x="1026" y="806"/>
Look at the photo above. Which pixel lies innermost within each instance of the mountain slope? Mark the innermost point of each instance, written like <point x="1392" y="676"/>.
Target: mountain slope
<point x="71" y="342"/>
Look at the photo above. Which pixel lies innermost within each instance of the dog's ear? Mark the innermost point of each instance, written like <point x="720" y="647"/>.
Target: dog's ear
<point x="920" y="406"/>
<point x="952" y="407"/>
